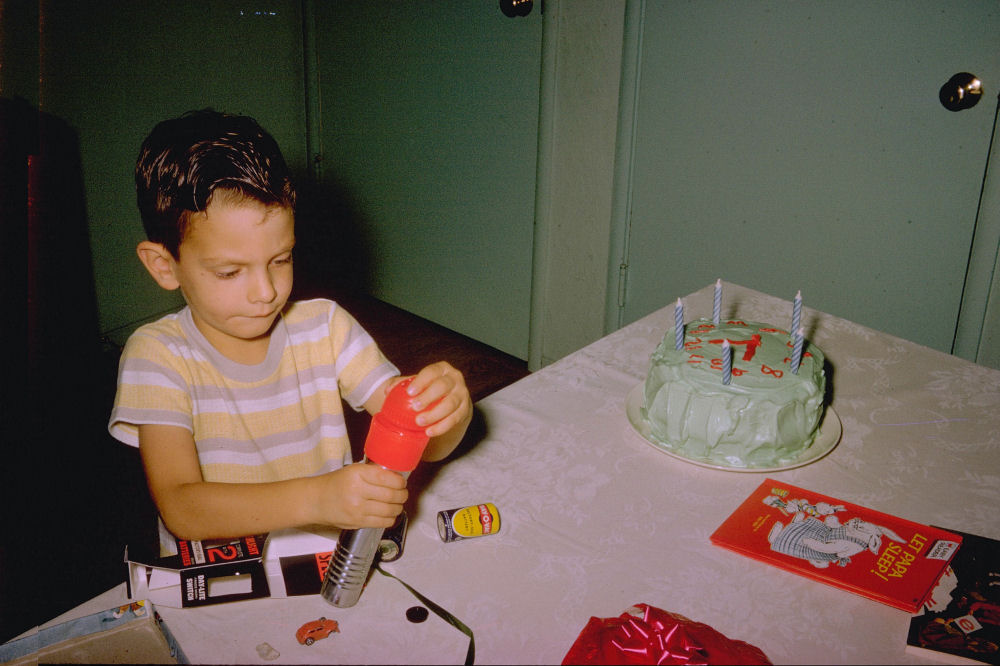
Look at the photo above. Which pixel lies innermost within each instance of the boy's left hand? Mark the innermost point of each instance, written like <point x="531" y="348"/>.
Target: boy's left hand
<point x="439" y="393"/>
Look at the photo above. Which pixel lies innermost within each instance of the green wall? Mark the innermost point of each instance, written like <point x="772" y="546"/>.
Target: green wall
<point x="112" y="70"/>
<point x="429" y="124"/>
<point x="424" y="120"/>
<point x="811" y="152"/>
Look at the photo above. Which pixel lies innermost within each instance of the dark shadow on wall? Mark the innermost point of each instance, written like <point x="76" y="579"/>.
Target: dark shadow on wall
<point x="333" y="259"/>
<point x="333" y="256"/>
<point x="73" y="496"/>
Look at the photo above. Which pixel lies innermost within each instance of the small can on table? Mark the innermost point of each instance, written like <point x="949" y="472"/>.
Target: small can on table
<point x="468" y="521"/>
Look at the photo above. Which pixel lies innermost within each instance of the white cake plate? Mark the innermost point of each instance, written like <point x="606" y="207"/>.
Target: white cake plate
<point x="826" y="439"/>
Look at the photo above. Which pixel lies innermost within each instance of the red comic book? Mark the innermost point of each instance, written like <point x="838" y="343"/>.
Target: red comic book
<point x="874" y="554"/>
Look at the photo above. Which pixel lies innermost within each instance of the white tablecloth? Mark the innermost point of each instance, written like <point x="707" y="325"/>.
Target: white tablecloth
<point x="594" y="519"/>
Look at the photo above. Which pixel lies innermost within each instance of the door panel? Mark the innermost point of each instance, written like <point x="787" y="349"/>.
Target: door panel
<point x="429" y="123"/>
<point x="802" y="145"/>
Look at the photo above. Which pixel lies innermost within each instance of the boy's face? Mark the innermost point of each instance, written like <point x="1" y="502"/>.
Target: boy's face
<point x="235" y="271"/>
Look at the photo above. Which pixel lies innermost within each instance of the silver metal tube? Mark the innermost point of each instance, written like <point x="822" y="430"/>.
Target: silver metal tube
<point x="352" y="560"/>
<point x="348" y="570"/>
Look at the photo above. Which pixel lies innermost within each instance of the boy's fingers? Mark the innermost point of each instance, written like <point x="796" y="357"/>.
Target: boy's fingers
<point x="439" y="409"/>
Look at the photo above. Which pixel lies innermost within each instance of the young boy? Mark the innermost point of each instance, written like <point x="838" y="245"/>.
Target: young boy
<point x="235" y="401"/>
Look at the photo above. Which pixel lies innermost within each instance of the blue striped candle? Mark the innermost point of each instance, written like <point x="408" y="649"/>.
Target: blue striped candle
<point x="717" y="303"/>
<point x="727" y="362"/>
<point x="679" y="325"/>
<point x="797" y="312"/>
<point x="797" y="351"/>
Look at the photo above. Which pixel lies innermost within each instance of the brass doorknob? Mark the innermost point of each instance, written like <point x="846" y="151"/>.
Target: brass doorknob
<point x="962" y="91"/>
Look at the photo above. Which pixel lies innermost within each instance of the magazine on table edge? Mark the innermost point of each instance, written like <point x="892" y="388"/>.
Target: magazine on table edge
<point x="960" y="622"/>
<point x="877" y="555"/>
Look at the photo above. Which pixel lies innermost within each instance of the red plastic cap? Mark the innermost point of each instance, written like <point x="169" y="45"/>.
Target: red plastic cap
<point x="396" y="408"/>
<point x="395" y="441"/>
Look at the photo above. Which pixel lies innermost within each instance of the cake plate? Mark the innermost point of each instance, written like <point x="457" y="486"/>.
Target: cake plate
<point x="826" y="439"/>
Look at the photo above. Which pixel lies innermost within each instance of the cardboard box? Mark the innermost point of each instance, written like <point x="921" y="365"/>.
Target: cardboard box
<point x="202" y="573"/>
<point x="296" y="560"/>
<point x="212" y="572"/>
<point x="131" y="634"/>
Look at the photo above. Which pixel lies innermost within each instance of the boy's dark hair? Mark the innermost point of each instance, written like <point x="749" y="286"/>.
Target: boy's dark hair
<point x="185" y="160"/>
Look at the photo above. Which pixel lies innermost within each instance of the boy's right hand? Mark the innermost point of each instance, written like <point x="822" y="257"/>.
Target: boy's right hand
<point x="359" y="495"/>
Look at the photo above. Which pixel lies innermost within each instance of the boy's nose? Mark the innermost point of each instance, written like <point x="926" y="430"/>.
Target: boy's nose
<point x="262" y="289"/>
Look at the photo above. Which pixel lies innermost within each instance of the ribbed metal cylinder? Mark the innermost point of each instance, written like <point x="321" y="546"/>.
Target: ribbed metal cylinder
<point x="348" y="570"/>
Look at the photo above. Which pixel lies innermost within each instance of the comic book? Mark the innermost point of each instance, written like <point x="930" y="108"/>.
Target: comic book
<point x="874" y="554"/>
<point x="960" y="621"/>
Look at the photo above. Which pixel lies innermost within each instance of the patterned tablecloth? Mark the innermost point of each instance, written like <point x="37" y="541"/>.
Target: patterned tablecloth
<point x="594" y="519"/>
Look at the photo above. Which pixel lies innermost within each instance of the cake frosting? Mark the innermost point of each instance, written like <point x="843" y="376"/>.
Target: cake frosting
<point x="765" y="417"/>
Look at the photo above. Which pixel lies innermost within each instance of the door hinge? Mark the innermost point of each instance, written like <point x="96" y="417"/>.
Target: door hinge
<point x="622" y="275"/>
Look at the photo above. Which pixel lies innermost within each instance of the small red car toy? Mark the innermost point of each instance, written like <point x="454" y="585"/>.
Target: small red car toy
<point x="310" y="632"/>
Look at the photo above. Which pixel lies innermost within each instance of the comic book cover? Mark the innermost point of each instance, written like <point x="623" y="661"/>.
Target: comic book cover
<point x="960" y="621"/>
<point x="874" y="554"/>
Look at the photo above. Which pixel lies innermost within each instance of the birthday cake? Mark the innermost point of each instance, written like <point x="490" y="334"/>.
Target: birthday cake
<point x="767" y="414"/>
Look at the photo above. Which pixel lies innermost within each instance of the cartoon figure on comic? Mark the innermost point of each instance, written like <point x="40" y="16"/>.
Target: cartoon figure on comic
<point x="793" y="506"/>
<point x="816" y="535"/>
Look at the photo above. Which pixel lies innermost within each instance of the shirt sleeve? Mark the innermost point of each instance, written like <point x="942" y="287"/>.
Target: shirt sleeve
<point x="152" y="389"/>
<point x="361" y="366"/>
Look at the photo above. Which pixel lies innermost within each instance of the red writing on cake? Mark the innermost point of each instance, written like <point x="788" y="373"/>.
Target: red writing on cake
<point x="693" y="344"/>
<point x="717" y="365"/>
<point x="752" y="344"/>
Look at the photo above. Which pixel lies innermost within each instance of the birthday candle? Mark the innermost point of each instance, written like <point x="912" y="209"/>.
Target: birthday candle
<point x="727" y="362"/>
<point x="717" y="303"/>
<point x="797" y="311"/>
<point x="797" y="351"/>
<point x="679" y="325"/>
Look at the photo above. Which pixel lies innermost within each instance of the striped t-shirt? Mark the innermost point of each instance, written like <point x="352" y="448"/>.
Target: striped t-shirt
<point x="278" y="420"/>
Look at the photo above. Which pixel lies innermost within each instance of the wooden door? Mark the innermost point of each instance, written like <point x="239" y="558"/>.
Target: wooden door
<point x="802" y="145"/>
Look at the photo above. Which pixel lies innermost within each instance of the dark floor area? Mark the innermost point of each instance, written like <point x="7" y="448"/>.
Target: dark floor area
<point x="68" y="526"/>
<point x="412" y="342"/>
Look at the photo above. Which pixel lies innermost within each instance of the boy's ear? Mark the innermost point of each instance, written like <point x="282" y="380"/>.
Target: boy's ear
<point x="160" y="264"/>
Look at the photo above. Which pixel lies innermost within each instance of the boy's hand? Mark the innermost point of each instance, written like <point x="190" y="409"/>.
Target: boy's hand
<point x="360" y="495"/>
<point x="439" y="393"/>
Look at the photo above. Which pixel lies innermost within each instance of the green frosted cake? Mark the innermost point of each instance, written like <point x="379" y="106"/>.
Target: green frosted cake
<point x="766" y="417"/>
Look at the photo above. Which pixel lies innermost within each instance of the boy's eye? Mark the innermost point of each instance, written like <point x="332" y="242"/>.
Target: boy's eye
<point x="284" y="260"/>
<point x="226" y="275"/>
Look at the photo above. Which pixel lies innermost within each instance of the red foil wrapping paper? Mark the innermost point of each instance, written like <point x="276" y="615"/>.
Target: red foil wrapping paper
<point x="645" y="634"/>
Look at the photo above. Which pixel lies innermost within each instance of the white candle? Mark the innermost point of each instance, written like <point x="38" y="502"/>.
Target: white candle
<point x="679" y="325"/>
<point x="727" y="362"/>
<point x="797" y="351"/>
<point x="717" y="303"/>
<point x="797" y="312"/>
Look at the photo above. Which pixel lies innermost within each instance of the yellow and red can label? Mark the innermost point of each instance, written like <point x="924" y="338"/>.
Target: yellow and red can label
<point x="468" y="521"/>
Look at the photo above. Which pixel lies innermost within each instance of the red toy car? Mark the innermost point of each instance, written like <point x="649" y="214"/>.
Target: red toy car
<point x="310" y="632"/>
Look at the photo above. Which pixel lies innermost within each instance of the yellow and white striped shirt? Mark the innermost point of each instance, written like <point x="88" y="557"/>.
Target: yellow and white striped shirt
<point x="278" y="420"/>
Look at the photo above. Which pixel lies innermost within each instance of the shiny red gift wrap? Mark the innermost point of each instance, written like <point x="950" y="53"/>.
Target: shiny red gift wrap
<point x="645" y="634"/>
